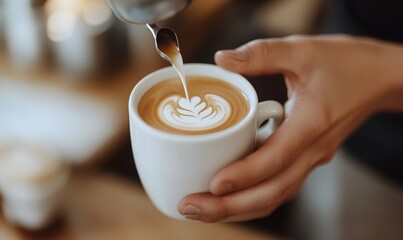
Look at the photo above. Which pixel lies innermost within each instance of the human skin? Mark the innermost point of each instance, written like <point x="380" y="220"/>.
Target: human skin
<point x="334" y="84"/>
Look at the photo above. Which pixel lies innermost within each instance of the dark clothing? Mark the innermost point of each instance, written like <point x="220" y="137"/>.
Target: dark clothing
<point x="379" y="142"/>
<point x="381" y="19"/>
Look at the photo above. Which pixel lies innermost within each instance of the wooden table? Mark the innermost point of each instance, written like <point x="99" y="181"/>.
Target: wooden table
<point x="101" y="206"/>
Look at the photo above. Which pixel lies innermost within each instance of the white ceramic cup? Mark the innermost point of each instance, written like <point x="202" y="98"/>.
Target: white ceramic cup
<point x="172" y="166"/>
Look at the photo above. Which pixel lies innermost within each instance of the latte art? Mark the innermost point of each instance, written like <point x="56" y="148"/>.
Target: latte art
<point x="215" y="105"/>
<point x="196" y="114"/>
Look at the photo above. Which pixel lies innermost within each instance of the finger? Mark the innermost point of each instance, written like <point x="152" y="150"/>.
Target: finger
<point x="257" y="57"/>
<point x="295" y="134"/>
<point x="323" y="148"/>
<point x="248" y="203"/>
<point x="320" y="152"/>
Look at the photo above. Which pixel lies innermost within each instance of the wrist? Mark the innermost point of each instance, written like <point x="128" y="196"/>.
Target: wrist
<point x="391" y="66"/>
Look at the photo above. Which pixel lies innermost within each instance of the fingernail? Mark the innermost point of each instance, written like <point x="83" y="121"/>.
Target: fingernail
<point x="192" y="212"/>
<point x="225" y="188"/>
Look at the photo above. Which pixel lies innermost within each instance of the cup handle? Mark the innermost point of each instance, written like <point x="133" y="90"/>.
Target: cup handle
<point x="271" y="111"/>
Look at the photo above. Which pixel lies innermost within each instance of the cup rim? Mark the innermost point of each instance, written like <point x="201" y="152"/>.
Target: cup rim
<point x="250" y="92"/>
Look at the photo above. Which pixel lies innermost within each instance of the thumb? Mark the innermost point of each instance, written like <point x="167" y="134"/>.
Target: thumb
<point x="258" y="57"/>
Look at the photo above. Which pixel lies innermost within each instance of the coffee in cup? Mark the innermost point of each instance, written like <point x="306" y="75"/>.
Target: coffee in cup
<point x="214" y="105"/>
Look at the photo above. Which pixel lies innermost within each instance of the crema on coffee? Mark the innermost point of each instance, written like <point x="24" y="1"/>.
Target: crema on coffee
<point x="213" y="105"/>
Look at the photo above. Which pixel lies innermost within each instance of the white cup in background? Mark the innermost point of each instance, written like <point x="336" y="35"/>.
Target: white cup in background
<point x="32" y="181"/>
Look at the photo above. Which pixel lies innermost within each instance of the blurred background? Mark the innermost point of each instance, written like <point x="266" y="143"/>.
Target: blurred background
<point x="66" y="168"/>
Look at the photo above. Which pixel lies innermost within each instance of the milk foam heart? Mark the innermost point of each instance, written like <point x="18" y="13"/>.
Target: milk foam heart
<point x="214" y="105"/>
<point x="197" y="114"/>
